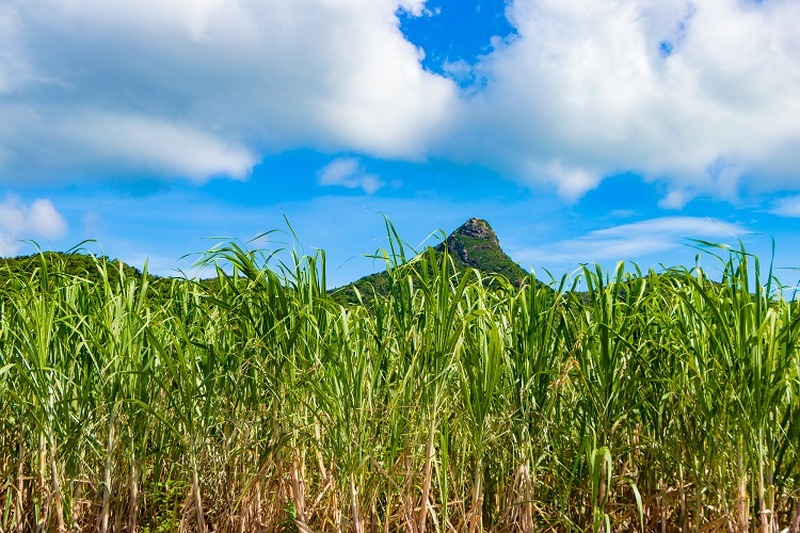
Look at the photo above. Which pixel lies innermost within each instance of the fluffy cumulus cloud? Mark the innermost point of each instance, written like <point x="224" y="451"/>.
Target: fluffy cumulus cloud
<point x="208" y="88"/>
<point x="39" y="220"/>
<point x="701" y="95"/>
<point x="633" y="241"/>
<point x="348" y="172"/>
<point x="42" y="145"/>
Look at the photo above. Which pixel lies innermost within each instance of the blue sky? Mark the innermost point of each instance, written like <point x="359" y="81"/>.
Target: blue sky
<point x="603" y="131"/>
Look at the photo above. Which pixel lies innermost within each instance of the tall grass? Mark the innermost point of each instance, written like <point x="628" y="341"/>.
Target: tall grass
<point x="657" y="401"/>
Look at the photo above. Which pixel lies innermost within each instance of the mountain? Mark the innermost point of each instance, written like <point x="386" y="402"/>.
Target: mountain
<point x="74" y="265"/>
<point x="473" y="245"/>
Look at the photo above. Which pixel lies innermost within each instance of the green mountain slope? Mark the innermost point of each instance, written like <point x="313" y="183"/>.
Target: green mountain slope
<point x="77" y="266"/>
<point x="473" y="245"/>
<point x="71" y="264"/>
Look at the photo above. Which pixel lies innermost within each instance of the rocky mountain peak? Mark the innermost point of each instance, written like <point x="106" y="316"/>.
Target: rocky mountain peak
<point x="475" y="245"/>
<point x="479" y="229"/>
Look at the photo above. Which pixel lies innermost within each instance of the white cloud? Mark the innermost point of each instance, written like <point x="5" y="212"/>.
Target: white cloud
<point x="587" y="84"/>
<point x="157" y="145"/>
<point x="94" y="87"/>
<point x="57" y="141"/>
<point x="414" y="8"/>
<point x="209" y="88"/>
<point x="45" y="221"/>
<point x="348" y="172"/>
<point x="19" y="221"/>
<point x="675" y="199"/>
<point x="632" y="241"/>
<point x="787" y="207"/>
<point x="12" y="61"/>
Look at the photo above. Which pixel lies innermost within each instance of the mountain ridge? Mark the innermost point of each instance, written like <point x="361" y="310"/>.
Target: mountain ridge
<point x="473" y="245"/>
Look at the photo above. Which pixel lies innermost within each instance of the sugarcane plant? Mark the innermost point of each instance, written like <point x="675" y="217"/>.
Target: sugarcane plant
<point x="445" y="399"/>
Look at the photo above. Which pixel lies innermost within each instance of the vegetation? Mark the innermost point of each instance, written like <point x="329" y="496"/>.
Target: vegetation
<point x="473" y="246"/>
<point x="454" y="402"/>
<point x="74" y="264"/>
<point x="78" y="266"/>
